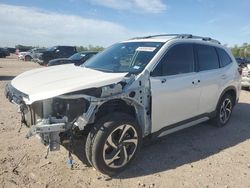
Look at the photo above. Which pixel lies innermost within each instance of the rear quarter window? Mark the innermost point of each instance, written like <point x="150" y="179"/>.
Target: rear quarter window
<point x="225" y="59"/>
<point x="207" y="57"/>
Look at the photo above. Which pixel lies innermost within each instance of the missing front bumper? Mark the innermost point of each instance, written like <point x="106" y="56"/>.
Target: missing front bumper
<point x="49" y="130"/>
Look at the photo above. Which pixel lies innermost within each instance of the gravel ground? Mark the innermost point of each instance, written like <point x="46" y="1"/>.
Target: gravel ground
<point x="200" y="156"/>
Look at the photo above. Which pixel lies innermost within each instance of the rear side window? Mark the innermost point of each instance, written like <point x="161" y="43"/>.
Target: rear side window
<point x="224" y="57"/>
<point x="207" y="57"/>
<point x="67" y="49"/>
<point x="178" y="60"/>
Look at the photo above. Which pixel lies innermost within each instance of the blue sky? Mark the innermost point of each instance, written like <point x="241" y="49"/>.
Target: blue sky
<point x="103" y="22"/>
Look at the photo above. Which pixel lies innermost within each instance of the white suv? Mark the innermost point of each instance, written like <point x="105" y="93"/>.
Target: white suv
<point x="149" y="86"/>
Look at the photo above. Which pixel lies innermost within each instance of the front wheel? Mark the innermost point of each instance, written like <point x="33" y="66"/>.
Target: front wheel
<point x="27" y="58"/>
<point x="113" y="143"/>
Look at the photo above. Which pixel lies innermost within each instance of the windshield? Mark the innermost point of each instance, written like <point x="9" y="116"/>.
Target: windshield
<point x="77" y="56"/>
<point x="129" y="57"/>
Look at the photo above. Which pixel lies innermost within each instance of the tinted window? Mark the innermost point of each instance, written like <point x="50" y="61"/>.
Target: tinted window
<point x="224" y="57"/>
<point x="67" y="49"/>
<point x="207" y="57"/>
<point x="178" y="60"/>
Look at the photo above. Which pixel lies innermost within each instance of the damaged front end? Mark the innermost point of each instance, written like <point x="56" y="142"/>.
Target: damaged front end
<point x="49" y="118"/>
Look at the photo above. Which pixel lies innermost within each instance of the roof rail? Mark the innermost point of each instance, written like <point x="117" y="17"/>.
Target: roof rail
<point x="205" y="39"/>
<point x="160" y="35"/>
<point x="181" y="36"/>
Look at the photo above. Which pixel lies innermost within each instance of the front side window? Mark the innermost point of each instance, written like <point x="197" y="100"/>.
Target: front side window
<point x="207" y="57"/>
<point x="224" y="57"/>
<point x="178" y="60"/>
<point x="131" y="57"/>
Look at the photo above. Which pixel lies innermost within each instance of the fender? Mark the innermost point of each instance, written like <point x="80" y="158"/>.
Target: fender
<point x="230" y="88"/>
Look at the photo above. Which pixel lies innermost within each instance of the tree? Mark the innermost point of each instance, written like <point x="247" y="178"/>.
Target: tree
<point x="89" y="48"/>
<point x="241" y="51"/>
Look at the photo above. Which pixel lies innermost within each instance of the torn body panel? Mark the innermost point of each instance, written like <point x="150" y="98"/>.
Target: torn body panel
<point x="136" y="93"/>
<point x="77" y="109"/>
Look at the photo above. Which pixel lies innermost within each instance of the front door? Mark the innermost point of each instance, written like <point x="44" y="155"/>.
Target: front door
<point x="174" y="87"/>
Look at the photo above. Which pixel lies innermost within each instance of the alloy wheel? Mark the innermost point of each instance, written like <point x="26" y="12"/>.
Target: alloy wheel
<point x="225" y="110"/>
<point x="120" y="146"/>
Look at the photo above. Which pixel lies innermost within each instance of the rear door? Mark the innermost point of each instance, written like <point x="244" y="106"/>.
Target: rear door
<point x="210" y="77"/>
<point x="174" y="86"/>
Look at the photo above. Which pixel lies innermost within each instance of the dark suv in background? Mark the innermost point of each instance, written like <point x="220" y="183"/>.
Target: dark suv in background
<point x="4" y="52"/>
<point x="55" y="52"/>
<point x="77" y="59"/>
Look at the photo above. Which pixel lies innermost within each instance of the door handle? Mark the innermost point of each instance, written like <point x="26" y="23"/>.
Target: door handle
<point x="163" y="80"/>
<point x="195" y="82"/>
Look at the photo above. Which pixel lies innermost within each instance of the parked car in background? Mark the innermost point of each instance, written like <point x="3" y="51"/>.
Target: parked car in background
<point x="240" y="60"/>
<point x="4" y="52"/>
<point x="29" y="55"/>
<point x="247" y="60"/>
<point x="143" y="87"/>
<point x="77" y="59"/>
<point x="55" y="53"/>
<point x="245" y="81"/>
<point x="11" y="50"/>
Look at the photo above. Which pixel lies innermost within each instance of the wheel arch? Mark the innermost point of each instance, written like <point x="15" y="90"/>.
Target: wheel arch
<point x="229" y="90"/>
<point x="115" y="105"/>
<point x="128" y="106"/>
<point x="29" y="56"/>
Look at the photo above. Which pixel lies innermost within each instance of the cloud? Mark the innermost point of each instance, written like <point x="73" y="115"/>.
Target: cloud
<point x="147" y="6"/>
<point x="213" y="20"/>
<point x="31" y="26"/>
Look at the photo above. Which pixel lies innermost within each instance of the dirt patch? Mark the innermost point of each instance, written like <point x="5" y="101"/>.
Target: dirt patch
<point x="201" y="156"/>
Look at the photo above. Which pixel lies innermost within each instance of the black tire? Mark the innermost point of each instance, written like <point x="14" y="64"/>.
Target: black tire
<point x="27" y="58"/>
<point x="218" y="120"/>
<point x="88" y="146"/>
<point x="108" y="127"/>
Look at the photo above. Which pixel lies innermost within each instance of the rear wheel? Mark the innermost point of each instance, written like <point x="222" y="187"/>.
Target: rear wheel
<point x="113" y="143"/>
<point x="224" y="111"/>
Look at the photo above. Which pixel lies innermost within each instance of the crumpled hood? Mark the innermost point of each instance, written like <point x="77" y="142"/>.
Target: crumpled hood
<point x="43" y="83"/>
